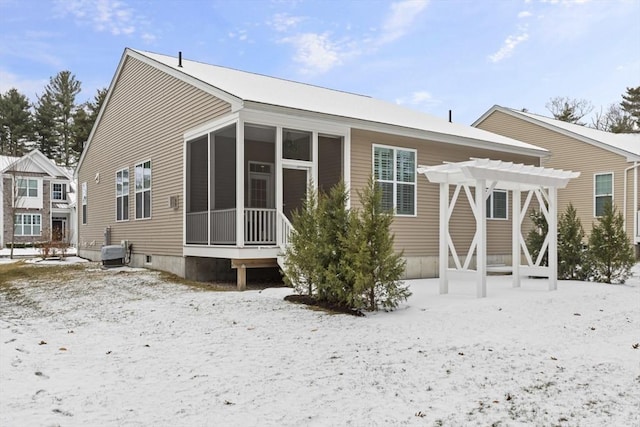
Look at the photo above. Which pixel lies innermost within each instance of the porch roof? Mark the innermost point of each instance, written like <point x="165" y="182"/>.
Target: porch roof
<point x="507" y="175"/>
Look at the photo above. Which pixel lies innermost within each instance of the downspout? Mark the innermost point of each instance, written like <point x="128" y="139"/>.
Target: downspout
<point x="635" y="198"/>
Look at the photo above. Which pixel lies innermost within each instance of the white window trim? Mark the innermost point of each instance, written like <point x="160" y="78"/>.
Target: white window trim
<point x="123" y="194"/>
<point x="135" y="201"/>
<point x="395" y="180"/>
<point x="26" y="178"/>
<point x="84" y="204"/>
<point x="600" y="195"/>
<point x="22" y="214"/>
<point x="490" y="211"/>
<point x="64" y="192"/>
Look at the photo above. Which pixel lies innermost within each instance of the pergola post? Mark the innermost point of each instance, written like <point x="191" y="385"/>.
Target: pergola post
<point x="553" y="238"/>
<point x="481" y="232"/>
<point x="443" y="262"/>
<point x="516" y="200"/>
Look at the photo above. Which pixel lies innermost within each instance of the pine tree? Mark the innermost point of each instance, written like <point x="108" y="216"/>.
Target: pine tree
<point x="302" y="266"/>
<point x="537" y="235"/>
<point x="571" y="252"/>
<point x="631" y="105"/>
<point x="333" y="223"/>
<point x="62" y="90"/>
<point x="371" y="262"/>
<point x="16" y="125"/>
<point x="610" y="251"/>
<point x="45" y="126"/>
<point x="84" y="118"/>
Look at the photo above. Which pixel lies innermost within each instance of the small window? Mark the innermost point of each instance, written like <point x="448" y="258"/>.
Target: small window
<point x="603" y="192"/>
<point x="27" y="225"/>
<point x="84" y="202"/>
<point x="143" y="190"/>
<point x="148" y="259"/>
<point x="497" y="205"/>
<point x="394" y="170"/>
<point x="59" y="191"/>
<point x="296" y="144"/>
<point x="27" y="187"/>
<point x="122" y="195"/>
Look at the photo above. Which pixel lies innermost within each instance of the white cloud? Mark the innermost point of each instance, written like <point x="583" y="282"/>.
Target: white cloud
<point x="282" y="22"/>
<point x="509" y="46"/>
<point x="418" y="98"/>
<point x="403" y="15"/>
<point x="113" y="16"/>
<point x="524" y="14"/>
<point x="316" y="52"/>
<point x="27" y="87"/>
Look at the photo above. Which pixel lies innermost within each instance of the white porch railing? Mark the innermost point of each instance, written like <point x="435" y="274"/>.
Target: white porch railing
<point x="259" y="227"/>
<point x="285" y="229"/>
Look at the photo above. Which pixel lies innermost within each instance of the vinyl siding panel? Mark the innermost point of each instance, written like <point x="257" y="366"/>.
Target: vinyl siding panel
<point x="418" y="236"/>
<point x="145" y="119"/>
<point x="572" y="154"/>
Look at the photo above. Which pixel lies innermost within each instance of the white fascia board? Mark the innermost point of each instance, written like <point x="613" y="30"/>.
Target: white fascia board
<point x="398" y="130"/>
<point x="215" y="124"/>
<point x="282" y="117"/>
<point x="630" y="157"/>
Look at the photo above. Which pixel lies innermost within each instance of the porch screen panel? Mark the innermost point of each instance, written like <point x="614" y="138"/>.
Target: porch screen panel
<point x="197" y="166"/>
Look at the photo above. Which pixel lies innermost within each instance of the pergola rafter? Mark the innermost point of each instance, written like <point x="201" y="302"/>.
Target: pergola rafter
<point x="486" y="175"/>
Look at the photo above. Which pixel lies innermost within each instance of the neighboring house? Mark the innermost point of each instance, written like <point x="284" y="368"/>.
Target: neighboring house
<point x="39" y="195"/>
<point x="608" y="162"/>
<point x="200" y="167"/>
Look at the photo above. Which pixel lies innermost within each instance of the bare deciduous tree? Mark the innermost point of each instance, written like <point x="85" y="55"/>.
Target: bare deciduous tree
<point x="569" y="109"/>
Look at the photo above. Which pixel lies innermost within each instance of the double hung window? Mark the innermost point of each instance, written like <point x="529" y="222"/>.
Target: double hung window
<point x="143" y="190"/>
<point x="395" y="172"/>
<point x="497" y="205"/>
<point x="122" y="195"/>
<point x="603" y="192"/>
<point x="27" y="225"/>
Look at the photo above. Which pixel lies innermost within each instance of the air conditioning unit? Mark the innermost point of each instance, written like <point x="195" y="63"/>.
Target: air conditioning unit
<point x="112" y="255"/>
<point x="173" y="202"/>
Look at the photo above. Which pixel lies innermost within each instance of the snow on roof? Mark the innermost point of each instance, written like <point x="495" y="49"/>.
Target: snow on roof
<point x="6" y="161"/>
<point x="251" y="87"/>
<point x="628" y="142"/>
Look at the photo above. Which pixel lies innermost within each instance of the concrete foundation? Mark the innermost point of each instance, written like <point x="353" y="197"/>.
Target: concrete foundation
<point x="219" y="270"/>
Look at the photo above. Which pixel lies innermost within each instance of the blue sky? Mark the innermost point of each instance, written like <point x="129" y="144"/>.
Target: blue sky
<point x="431" y="55"/>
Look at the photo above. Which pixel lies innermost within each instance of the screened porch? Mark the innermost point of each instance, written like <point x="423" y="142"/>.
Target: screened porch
<point x="273" y="171"/>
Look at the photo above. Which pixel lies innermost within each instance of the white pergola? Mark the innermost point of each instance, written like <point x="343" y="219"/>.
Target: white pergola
<point x="487" y="175"/>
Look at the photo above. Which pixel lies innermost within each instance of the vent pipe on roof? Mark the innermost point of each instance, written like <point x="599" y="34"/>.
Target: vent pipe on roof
<point x="180" y="59"/>
<point x="449" y="116"/>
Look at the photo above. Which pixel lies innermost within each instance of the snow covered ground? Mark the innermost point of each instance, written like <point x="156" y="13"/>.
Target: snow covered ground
<point x="126" y="348"/>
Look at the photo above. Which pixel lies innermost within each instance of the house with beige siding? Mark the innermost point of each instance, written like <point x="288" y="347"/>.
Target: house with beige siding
<point x="199" y="167"/>
<point x="608" y="163"/>
<point x="37" y="200"/>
